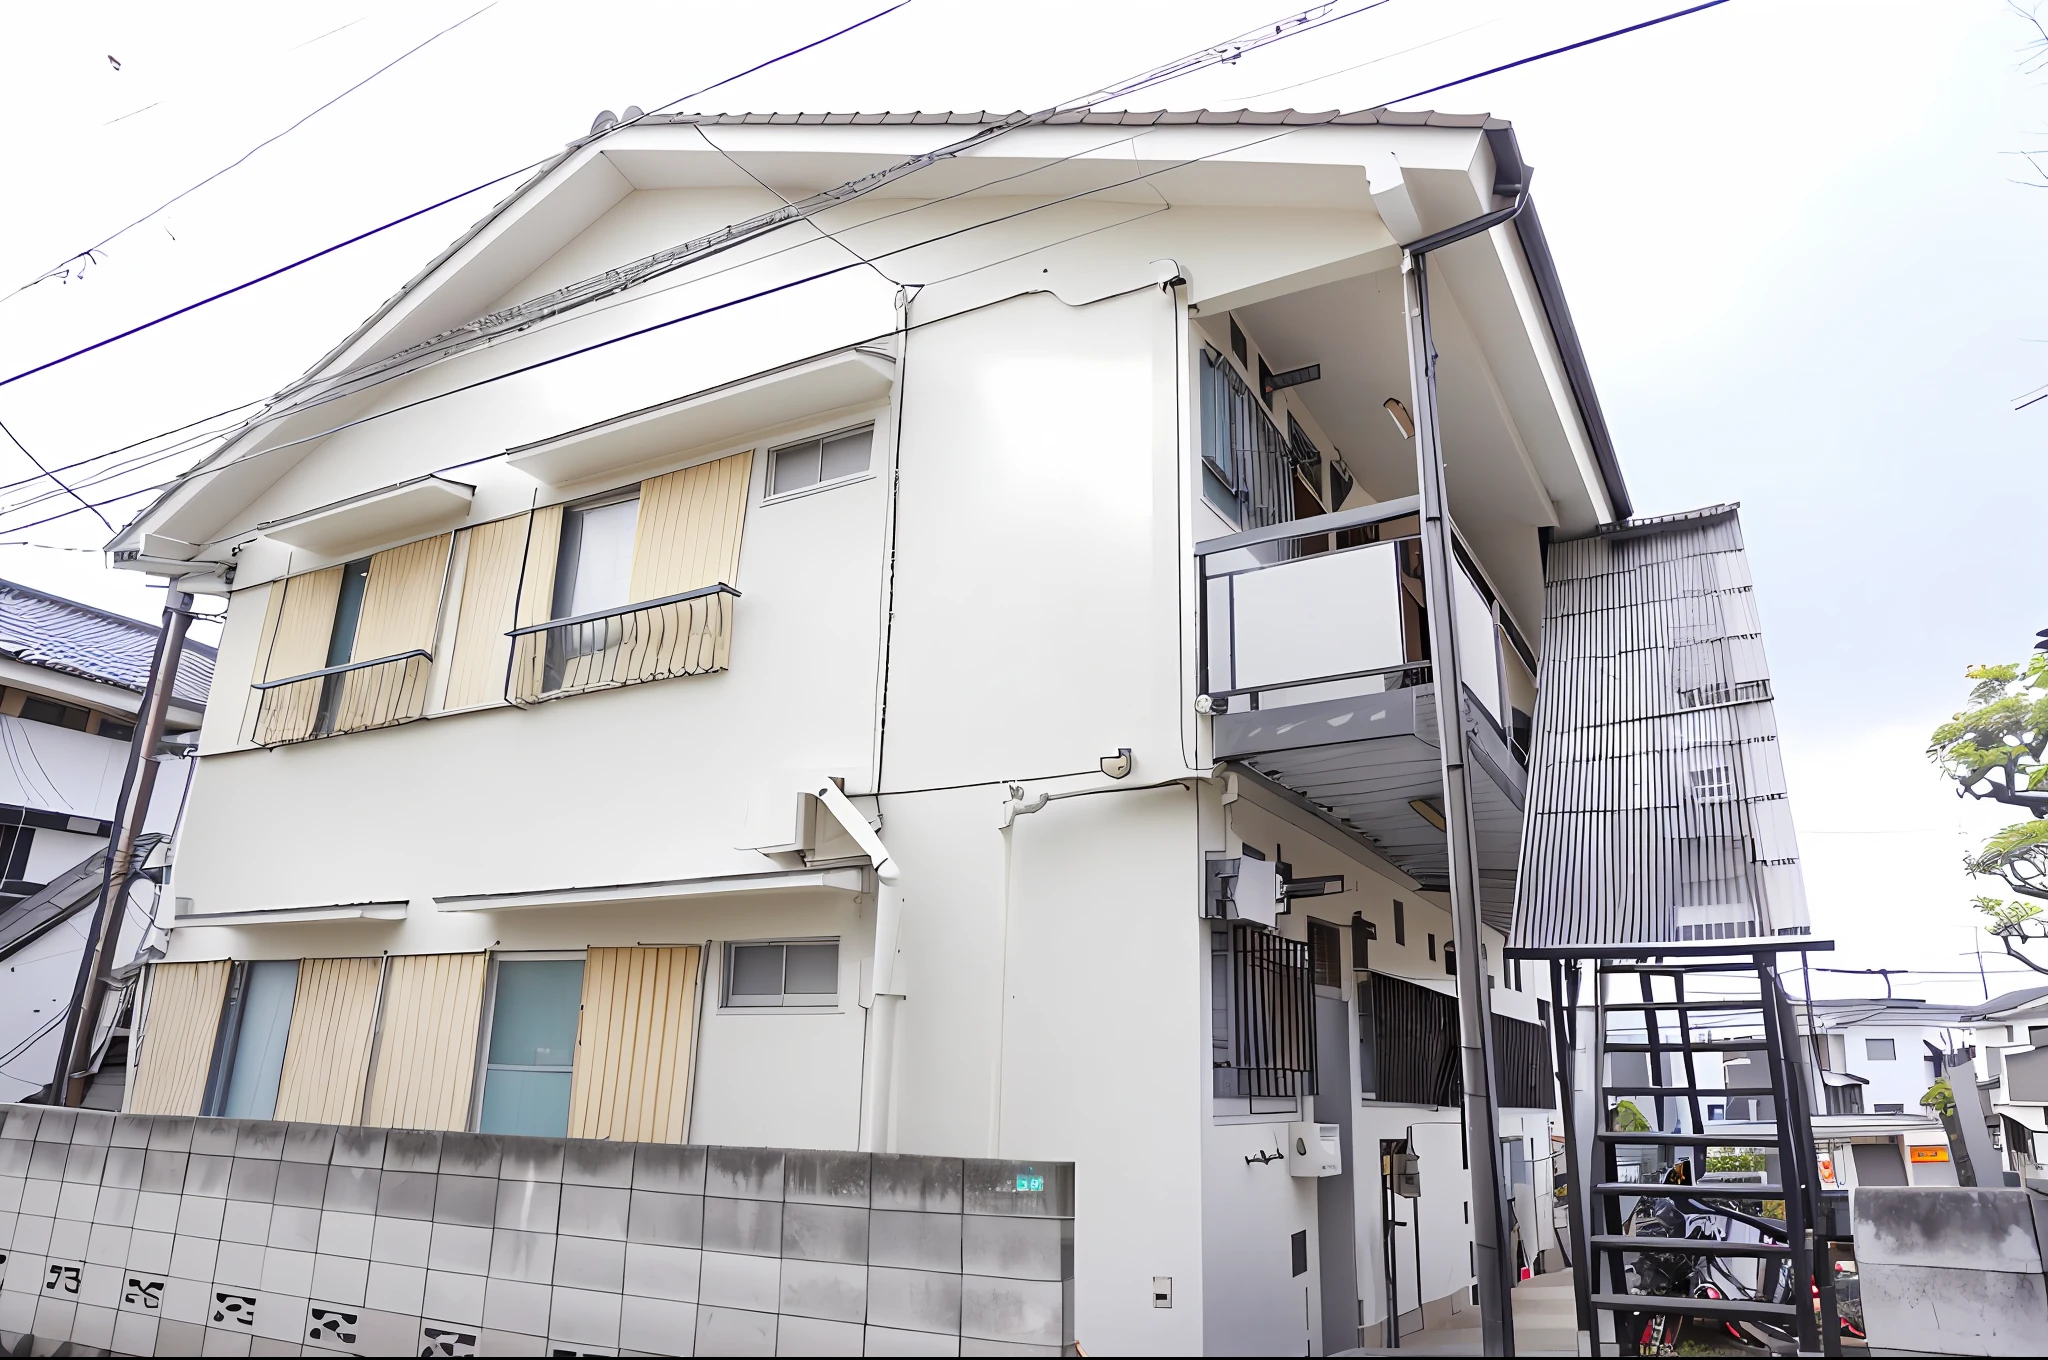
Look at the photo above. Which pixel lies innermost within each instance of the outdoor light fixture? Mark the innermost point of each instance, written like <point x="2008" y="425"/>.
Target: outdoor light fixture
<point x="1429" y="812"/>
<point x="1401" y="417"/>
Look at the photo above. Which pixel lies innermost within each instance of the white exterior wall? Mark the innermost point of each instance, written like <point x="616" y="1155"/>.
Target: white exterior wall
<point x="1027" y="590"/>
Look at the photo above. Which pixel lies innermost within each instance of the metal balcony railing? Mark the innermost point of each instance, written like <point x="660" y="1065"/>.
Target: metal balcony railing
<point x="685" y="634"/>
<point x="381" y="692"/>
<point x="1333" y="607"/>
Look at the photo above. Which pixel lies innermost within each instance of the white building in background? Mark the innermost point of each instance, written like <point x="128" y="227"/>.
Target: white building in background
<point x="954" y="681"/>
<point x="2011" y="1034"/>
<point x="71" y="679"/>
<point x="1878" y="1061"/>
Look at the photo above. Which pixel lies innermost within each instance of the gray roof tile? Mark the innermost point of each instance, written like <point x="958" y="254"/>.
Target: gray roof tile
<point x="40" y="629"/>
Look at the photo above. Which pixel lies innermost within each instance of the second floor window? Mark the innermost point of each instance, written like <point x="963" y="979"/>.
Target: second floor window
<point x="593" y="572"/>
<point x="814" y="462"/>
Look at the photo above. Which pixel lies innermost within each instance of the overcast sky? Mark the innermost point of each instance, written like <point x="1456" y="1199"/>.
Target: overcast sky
<point x="1789" y="229"/>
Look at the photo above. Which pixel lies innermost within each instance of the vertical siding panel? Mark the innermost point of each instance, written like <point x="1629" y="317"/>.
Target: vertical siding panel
<point x="327" y="1050"/>
<point x="633" y="1062"/>
<point x="427" y="1062"/>
<point x="177" y="1041"/>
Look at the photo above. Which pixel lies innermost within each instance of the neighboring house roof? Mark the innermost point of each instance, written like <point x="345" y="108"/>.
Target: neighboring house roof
<point x="41" y="629"/>
<point x="1887" y="1011"/>
<point x="2021" y="999"/>
<point x="1499" y="133"/>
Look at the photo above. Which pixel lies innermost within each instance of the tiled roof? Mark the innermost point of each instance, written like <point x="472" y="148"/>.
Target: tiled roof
<point x="40" y="629"/>
<point x="1103" y="118"/>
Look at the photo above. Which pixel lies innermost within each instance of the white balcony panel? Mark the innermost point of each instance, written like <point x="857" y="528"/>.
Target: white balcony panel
<point x="713" y="419"/>
<point x="375" y="518"/>
<point x="1476" y="656"/>
<point x="1332" y="614"/>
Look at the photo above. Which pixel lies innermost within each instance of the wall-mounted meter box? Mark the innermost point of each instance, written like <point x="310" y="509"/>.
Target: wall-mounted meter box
<point x="1313" y="1150"/>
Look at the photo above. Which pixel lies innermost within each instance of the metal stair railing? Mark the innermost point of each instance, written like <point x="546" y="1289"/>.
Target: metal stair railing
<point x="1673" y="1080"/>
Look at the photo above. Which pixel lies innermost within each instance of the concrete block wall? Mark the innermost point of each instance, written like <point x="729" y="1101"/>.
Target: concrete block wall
<point x="154" y="1235"/>
<point x="1951" y="1270"/>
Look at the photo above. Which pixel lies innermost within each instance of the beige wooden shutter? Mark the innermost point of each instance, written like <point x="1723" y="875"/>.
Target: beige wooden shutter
<point x="327" y="1050"/>
<point x="177" y="1037"/>
<point x="688" y="533"/>
<point x="401" y="600"/>
<point x="297" y="628"/>
<point x="536" y="602"/>
<point x="688" y="536"/>
<point x="487" y="609"/>
<point x="426" y="1051"/>
<point x="632" y="1075"/>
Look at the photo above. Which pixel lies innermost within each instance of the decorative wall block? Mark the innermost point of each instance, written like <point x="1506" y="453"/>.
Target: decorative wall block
<point x="159" y="1235"/>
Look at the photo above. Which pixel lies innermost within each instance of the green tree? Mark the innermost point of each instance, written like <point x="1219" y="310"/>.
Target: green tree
<point x="1995" y="750"/>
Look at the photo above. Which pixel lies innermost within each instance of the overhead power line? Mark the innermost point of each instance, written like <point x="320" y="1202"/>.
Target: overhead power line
<point x="439" y="203"/>
<point x="1284" y="132"/>
<point x="96" y="246"/>
<point x="83" y="503"/>
<point x="523" y="318"/>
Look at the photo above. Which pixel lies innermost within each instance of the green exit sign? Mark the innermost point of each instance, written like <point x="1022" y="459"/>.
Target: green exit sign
<point x="1030" y="1184"/>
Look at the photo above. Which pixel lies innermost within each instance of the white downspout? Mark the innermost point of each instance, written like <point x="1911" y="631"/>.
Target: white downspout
<point x="877" y="1068"/>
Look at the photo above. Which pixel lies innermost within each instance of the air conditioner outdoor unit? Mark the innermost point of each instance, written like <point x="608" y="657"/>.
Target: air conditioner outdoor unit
<point x="1314" y="1150"/>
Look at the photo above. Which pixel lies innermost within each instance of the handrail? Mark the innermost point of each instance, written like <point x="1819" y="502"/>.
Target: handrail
<point x="350" y="666"/>
<point x="1314" y="524"/>
<point x="596" y="614"/>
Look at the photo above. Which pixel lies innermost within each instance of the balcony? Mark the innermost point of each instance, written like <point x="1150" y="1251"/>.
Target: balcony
<point x="1315" y="657"/>
<point x="355" y="697"/>
<point x="685" y="634"/>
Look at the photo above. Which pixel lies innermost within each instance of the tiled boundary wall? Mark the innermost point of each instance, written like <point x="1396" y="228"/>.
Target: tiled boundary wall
<point x="155" y="1235"/>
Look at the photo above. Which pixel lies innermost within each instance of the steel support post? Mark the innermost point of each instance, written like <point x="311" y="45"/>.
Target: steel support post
<point x="138" y="782"/>
<point x="1475" y="1010"/>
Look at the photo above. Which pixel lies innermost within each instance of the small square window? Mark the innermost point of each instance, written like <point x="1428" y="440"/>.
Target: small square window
<point x="1880" y="1050"/>
<point x="1883" y="1107"/>
<point x="814" y="462"/>
<point x="782" y="973"/>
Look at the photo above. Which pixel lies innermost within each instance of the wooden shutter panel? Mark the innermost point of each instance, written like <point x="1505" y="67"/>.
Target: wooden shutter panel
<point x="327" y="1051"/>
<point x="632" y="1077"/>
<point x="177" y="1037"/>
<point x="689" y="528"/>
<point x="401" y="601"/>
<point x="688" y="536"/>
<point x="296" y="630"/>
<point x="426" y="1053"/>
<point x="488" y="607"/>
<point x="536" y="602"/>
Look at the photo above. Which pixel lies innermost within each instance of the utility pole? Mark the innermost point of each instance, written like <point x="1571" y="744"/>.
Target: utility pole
<point x="138" y="782"/>
<point x="1475" y="1009"/>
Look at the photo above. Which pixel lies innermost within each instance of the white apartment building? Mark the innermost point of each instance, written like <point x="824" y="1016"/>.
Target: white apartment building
<point x="2011" y="1037"/>
<point x="949" y="678"/>
<point x="71" y="680"/>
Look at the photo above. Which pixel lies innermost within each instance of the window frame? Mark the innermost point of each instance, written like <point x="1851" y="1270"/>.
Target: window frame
<point x="835" y="1006"/>
<point x="227" y="1038"/>
<point x="770" y="496"/>
<point x="487" y="1020"/>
